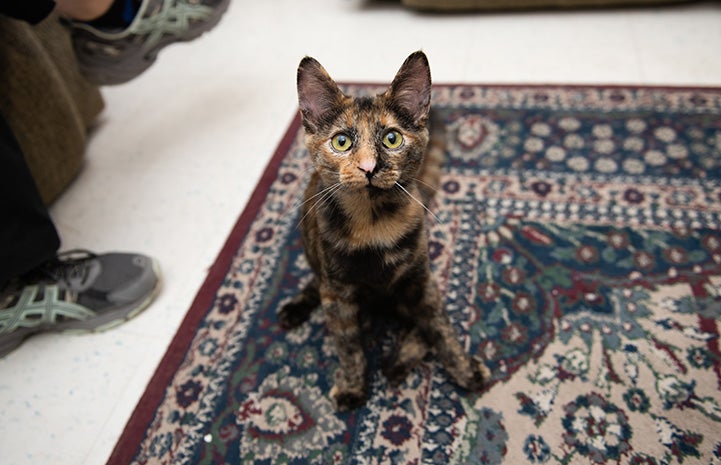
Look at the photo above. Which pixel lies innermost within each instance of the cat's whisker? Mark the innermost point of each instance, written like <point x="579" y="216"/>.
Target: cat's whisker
<point x="304" y="201"/>
<point x="307" y="170"/>
<point x="315" y="196"/>
<point x="435" y="217"/>
<point x="323" y="200"/>
<point x="322" y="194"/>
<point x="433" y="188"/>
<point x="325" y="194"/>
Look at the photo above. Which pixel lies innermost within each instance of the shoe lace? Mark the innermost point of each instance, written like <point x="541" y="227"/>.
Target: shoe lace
<point x="69" y="266"/>
<point x="172" y="17"/>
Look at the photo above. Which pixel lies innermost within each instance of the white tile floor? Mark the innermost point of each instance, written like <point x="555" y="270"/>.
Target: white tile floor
<point x="179" y="150"/>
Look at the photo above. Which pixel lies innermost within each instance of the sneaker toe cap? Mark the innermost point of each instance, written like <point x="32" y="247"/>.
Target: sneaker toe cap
<point x="129" y="277"/>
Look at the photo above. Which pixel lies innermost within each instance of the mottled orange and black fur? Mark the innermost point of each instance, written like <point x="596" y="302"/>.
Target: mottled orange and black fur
<point x="363" y="227"/>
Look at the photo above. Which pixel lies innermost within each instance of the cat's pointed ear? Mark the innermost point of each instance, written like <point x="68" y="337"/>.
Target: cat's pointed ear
<point x="318" y="95"/>
<point x="410" y="91"/>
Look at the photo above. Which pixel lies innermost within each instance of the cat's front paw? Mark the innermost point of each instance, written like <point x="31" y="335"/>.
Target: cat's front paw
<point x="477" y="376"/>
<point x="294" y="314"/>
<point x="396" y="374"/>
<point x="346" y="399"/>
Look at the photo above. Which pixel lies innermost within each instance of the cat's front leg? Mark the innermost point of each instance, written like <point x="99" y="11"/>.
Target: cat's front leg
<point x="434" y="323"/>
<point x="297" y="311"/>
<point x="406" y="354"/>
<point x="350" y="390"/>
<point x="466" y="371"/>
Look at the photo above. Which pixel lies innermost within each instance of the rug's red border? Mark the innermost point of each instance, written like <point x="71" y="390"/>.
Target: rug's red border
<point x="136" y="427"/>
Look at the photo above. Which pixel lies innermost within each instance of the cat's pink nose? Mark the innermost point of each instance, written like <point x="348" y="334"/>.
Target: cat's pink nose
<point x="367" y="165"/>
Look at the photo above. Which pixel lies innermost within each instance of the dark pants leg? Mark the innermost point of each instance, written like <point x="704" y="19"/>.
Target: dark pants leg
<point x="27" y="234"/>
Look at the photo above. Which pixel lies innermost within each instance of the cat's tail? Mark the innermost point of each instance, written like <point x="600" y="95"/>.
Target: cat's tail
<point x="430" y="174"/>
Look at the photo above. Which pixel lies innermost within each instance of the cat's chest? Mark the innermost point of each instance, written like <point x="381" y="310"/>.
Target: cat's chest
<point x="382" y="234"/>
<point x="376" y="225"/>
<point x="375" y="266"/>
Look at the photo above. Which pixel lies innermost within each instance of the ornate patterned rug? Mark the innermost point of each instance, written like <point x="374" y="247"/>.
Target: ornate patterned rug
<point x="578" y="246"/>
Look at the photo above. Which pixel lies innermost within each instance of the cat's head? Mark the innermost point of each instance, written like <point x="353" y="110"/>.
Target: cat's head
<point x="366" y="142"/>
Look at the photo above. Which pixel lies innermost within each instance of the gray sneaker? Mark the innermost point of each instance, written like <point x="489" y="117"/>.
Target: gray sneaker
<point x="78" y="291"/>
<point x="113" y="57"/>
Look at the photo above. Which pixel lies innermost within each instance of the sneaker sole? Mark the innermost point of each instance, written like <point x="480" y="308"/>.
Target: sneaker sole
<point x="103" y="322"/>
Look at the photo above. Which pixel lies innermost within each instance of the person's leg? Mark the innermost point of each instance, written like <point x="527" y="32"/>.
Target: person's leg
<point x="41" y="290"/>
<point x="83" y="10"/>
<point x="27" y="235"/>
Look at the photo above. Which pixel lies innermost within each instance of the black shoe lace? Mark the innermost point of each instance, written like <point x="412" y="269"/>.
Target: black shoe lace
<point x="64" y="267"/>
<point x="67" y="266"/>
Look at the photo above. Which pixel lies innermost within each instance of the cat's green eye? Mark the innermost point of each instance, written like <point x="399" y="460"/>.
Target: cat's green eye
<point x="341" y="142"/>
<point x="392" y="139"/>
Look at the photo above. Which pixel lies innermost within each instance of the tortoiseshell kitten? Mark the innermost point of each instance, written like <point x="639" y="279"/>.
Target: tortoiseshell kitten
<point x="363" y="227"/>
